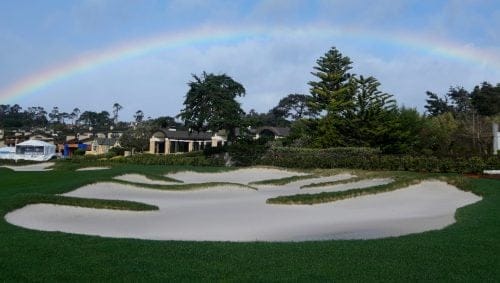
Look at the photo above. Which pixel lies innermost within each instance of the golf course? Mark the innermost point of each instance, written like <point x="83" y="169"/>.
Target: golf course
<point x="156" y="223"/>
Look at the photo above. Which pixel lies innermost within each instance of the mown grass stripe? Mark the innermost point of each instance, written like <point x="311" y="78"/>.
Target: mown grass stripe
<point x="182" y="187"/>
<point x="284" y="181"/>
<point x="333" y="183"/>
<point x="323" y="197"/>
<point x="86" y="202"/>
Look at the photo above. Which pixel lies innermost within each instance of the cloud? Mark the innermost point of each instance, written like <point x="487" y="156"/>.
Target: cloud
<point x="269" y="66"/>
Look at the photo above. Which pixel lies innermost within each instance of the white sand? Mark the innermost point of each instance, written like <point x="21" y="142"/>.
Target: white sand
<point x="242" y="176"/>
<point x="32" y="167"/>
<point x="91" y="168"/>
<point x="137" y="178"/>
<point x="240" y="214"/>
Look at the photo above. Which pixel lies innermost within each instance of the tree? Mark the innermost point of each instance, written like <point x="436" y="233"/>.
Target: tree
<point x="95" y="120"/>
<point x="54" y="115"/>
<point x="294" y="106"/>
<point x="461" y="100"/>
<point x="254" y="119"/>
<point x="211" y="104"/>
<point x="63" y="116"/>
<point x="332" y="70"/>
<point x="139" y="115"/>
<point x="486" y="99"/>
<point x="75" y="115"/>
<point x="405" y="128"/>
<point x="438" y="135"/>
<point x="164" y="122"/>
<point x="136" y="139"/>
<point x="472" y="112"/>
<point x="333" y="95"/>
<point x="369" y="121"/>
<point x="116" y="108"/>
<point x="436" y="105"/>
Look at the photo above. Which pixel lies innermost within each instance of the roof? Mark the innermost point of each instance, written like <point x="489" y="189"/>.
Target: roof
<point x="35" y="143"/>
<point x="105" y="141"/>
<point x="186" y="135"/>
<point x="278" y="131"/>
<point x="8" y="149"/>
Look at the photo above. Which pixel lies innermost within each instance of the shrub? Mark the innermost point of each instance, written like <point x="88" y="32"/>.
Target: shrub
<point x="247" y="151"/>
<point x="79" y="152"/>
<point x="372" y="159"/>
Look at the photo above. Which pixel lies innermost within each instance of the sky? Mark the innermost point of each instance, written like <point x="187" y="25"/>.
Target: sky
<point x="91" y="54"/>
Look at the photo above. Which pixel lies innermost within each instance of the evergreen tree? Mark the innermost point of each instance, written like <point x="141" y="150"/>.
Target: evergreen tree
<point x="332" y="71"/>
<point x="436" y="105"/>
<point x="369" y="121"/>
<point x="486" y="99"/>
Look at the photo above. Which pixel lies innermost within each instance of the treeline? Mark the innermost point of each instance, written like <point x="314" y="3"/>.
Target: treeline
<point x="342" y="109"/>
<point x="348" y="110"/>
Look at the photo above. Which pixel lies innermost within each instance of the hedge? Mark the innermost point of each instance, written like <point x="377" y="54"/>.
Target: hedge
<point x="372" y="159"/>
<point x="193" y="159"/>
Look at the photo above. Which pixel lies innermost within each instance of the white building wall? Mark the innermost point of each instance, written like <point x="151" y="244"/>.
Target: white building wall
<point x="496" y="138"/>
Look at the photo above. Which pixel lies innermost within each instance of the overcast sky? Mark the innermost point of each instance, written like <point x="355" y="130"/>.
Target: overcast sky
<point x="269" y="46"/>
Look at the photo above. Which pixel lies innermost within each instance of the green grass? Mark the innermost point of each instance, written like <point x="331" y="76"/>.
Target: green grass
<point x="184" y="187"/>
<point x="466" y="251"/>
<point x="154" y="177"/>
<point x="401" y="181"/>
<point x="283" y="181"/>
<point x="84" y="202"/>
<point x="332" y="183"/>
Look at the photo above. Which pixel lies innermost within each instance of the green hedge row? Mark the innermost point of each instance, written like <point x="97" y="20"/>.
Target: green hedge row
<point x="17" y="162"/>
<point x="193" y="159"/>
<point x="370" y="159"/>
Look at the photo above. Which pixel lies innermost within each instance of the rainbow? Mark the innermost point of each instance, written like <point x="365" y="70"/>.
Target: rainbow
<point x="216" y="35"/>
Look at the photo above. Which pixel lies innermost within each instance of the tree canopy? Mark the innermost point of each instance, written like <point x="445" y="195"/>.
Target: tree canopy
<point x="294" y="106"/>
<point x="211" y="104"/>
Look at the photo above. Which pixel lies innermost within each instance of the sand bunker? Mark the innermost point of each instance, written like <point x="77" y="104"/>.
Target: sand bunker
<point x="136" y="178"/>
<point x="242" y="176"/>
<point x="32" y="167"/>
<point x="240" y="214"/>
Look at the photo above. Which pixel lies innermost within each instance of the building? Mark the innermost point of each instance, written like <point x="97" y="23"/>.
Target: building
<point x="102" y="145"/>
<point x="271" y="132"/>
<point x="168" y="141"/>
<point x="496" y="139"/>
<point x="33" y="150"/>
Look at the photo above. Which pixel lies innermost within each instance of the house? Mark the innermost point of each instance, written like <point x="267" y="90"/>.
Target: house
<point x="68" y="148"/>
<point x="270" y="132"/>
<point x="91" y="143"/>
<point x="167" y="141"/>
<point x="101" y="145"/>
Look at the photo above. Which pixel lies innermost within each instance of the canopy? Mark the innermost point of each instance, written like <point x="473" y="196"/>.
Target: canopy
<point x="35" y="150"/>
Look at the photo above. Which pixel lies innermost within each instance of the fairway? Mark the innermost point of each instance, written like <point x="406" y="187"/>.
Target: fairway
<point x="36" y="255"/>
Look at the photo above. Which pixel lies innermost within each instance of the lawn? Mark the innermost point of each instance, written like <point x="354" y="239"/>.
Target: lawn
<point x="466" y="251"/>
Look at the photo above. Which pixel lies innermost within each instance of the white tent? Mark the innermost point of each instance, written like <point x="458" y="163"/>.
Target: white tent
<point x="35" y="150"/>
<point x="7" y="152"/>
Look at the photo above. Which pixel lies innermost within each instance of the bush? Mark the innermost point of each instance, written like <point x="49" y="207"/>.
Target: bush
<point x="192" y="158"/>
<point x="79" y="152"/>
<point x="373" y="159"/>
<point x="247" y="151"/>
<point x="117" y="150"/>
